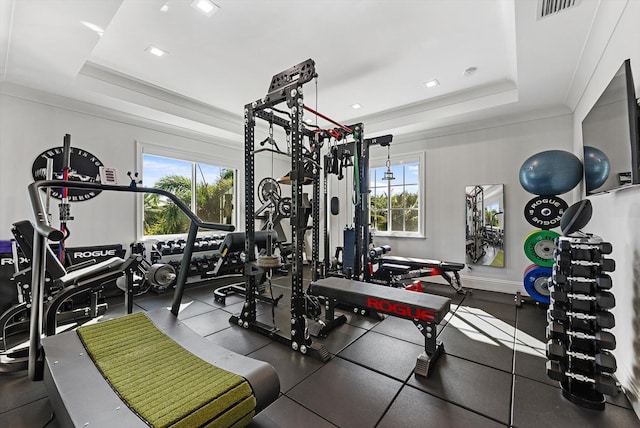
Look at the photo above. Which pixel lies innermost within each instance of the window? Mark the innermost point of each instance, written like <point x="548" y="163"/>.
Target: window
<point x="212" y="185"/>
<point x="396" y="205"/>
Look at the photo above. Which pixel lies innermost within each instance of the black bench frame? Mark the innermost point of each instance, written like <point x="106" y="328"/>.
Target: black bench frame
<point x="422" y="267"/>
<point x="425" y="310"/>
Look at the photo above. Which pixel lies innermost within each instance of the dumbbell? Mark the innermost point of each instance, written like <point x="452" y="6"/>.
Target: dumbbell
<point x="603" y="319"/>
<point x="575" y="266"/>
<point x="583" y="252"/>
<point x="601" y="247"/>
<point x="163" y="248"/>
<point x="206" y="244"/>
<point x="585" y="285"/>
<point x="603" y="339"/>
<point x="602" y="299"/>
<point x="603" y="383"/>
<point x="604" y="360"/>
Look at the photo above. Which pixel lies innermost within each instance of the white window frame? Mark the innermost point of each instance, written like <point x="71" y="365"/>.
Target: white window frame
<point x="153" y="149"/>
<point x="419" y="158"/>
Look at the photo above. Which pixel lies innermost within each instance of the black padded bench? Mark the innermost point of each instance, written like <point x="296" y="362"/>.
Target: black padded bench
<point x="425" y="310"/>
<point x="447" y="270"/>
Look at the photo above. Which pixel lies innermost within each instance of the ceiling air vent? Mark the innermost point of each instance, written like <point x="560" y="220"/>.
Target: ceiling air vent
<point x="551" y="7"/>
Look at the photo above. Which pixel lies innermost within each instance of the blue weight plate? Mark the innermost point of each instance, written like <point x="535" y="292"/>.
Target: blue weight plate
<point x="535" y="282"/>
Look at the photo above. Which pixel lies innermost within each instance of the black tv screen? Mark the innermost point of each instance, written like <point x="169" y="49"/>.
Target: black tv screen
<point x="610" y="137"/>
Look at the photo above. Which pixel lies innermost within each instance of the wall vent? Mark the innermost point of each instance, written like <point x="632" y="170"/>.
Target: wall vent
<point x="551" y="7"/>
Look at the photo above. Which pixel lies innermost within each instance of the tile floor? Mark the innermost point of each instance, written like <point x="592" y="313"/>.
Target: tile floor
<point x="491" y="375"/>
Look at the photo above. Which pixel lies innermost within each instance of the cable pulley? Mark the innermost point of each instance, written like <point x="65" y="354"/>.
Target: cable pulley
<point x="268" y="186"/>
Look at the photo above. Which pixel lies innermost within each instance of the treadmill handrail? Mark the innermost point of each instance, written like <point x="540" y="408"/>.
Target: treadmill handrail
<point x="44" y="231"/>
<point x="42" y="222"/>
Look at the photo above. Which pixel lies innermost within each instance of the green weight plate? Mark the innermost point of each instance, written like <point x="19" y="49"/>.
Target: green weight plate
<point x="539" y="246"/>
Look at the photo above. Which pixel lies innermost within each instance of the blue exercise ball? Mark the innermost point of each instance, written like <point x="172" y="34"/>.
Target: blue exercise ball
<point x="552" y="172"/>
<point x="596" y="168"/>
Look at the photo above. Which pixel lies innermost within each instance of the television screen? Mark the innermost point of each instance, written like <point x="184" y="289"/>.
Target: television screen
<point x="610" y="137"/>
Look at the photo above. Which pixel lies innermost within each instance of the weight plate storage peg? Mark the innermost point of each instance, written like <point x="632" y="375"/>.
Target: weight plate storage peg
<point x="536" y="282"/>
<point x="539" y="246"/>
<point x="545" y="212"/>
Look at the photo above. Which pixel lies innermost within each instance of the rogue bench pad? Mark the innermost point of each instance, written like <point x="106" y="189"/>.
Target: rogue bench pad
<point x="79" y="393"/>
<point x="393" y="301"/>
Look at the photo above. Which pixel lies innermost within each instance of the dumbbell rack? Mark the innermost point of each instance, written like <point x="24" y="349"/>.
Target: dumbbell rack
<point x="204" y="257"/>
<point x="579" y="342"/>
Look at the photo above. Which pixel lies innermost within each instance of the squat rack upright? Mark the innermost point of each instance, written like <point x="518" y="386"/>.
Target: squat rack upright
<point x="287" y="87"/>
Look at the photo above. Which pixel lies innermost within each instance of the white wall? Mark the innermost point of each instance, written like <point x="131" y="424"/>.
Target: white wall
<point x="487" y="156"/>
<point x="616" y="216"/>
<point x="31" y="123"/>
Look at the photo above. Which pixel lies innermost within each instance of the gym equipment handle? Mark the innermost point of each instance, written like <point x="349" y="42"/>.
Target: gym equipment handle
<point x="42" y="222"/>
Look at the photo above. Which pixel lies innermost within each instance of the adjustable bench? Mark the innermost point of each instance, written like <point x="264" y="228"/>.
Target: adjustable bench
<point x="425" y="310"/>
<point x="426" y="267"/>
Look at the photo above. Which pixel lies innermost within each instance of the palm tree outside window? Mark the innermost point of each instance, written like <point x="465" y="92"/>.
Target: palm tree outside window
<point x="212" y="185"/>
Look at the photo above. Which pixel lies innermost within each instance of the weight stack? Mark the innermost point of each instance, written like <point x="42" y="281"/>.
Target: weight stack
<point x="579" y="342"/>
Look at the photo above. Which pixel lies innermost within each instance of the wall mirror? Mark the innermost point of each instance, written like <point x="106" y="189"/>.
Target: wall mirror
<point x="485" y="225"/>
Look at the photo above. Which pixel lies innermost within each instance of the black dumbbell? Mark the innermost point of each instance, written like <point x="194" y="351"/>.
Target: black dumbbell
<point x="555" y="371"/>
<point x="585" y="285"/>
<point x="579" y="254"/>
<point x="163" y="248"/>
<point x="601" y="265"/>
<point x="601" y="299"/>
<point x="604" y="360"/>
<point x="567" y="245"/>
<point x="603" y="319"/>
<point x="603" y="383"/>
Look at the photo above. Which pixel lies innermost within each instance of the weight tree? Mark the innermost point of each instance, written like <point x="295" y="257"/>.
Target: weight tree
<point x="286" y="87"/>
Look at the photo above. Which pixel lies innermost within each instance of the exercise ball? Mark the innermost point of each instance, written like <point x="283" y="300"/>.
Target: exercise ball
<point x="551" y="172"/>
<point x="596" y="168"/>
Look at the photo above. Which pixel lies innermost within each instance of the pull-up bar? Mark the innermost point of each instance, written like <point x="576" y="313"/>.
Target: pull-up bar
<point x="341" y="126"/>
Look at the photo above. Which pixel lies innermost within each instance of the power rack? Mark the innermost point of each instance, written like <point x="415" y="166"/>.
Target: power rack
<point x="286" y="87"/>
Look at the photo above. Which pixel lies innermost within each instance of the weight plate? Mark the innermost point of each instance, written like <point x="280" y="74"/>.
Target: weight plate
<point x="284" y="207"/>
<point x="266" y="188"/>
<point x="530" y="268"/>
<point x="545" y="212"/>
<point x="536" y="283"/>
<point x="539" y="246"/>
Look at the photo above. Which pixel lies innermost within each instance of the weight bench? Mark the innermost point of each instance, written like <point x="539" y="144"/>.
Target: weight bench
<point x="427" y="267"/>
<point x="425" y="310"/>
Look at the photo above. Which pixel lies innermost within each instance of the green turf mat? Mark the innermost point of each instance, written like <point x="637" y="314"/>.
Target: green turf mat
<point x="162" y="382"/>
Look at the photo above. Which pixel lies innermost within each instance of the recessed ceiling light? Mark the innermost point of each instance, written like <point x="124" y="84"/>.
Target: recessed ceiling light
<point x="93" y="27"/>
<point x="205" y="6"/>
<point x="164" y="8"/>
<point x="469" y="71"/>
<point x="154" y="50"/>
<point x="355" y="106"/>
<point x="309" y="121"/>
<point x="431" y="83"/>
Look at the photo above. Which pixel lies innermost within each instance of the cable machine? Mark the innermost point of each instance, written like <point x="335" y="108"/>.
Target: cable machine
<point x="358" y="153"/>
